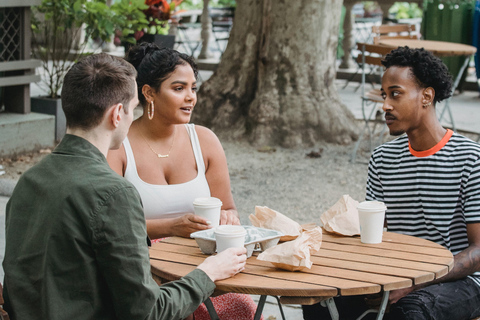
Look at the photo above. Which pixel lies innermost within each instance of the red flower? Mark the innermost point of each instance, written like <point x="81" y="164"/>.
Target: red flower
<point x="152" y="2"/>
<point x="160" y="9"/>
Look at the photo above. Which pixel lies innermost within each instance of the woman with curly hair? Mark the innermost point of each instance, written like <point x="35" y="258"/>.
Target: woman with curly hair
<point x="172" y="162"/>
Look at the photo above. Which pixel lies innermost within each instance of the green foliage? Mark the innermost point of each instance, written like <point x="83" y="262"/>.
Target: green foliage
<point x="198" y="4"/>
<point x="57" y="36"/>
<point x="191" y="5"/>
<point x="224" y="3"/>
<point x="129" y="18"/>
<point x="405" y="10"/>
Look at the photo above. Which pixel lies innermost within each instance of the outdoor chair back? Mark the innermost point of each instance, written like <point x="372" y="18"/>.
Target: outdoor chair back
<point x="393" y="31"/>
<point x="370" y="60"/>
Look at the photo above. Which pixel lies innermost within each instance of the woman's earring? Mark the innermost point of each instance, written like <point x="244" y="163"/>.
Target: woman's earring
<point x="150" y="110"/>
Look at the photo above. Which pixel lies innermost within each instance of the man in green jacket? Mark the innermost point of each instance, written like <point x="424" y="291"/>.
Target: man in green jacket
<point x="76" y="243"/>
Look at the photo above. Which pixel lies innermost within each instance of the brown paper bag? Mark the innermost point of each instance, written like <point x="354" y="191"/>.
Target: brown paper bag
<point x="270" y="219"/>
<point x="294" y="255"/>
<point x="342" y="217"/>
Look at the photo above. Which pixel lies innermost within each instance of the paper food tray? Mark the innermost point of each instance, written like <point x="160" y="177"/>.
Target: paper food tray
<point x="266" y="238"/>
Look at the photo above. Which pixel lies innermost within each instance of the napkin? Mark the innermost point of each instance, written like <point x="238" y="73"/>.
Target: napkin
<point x="270" y="219"/>
<point x="342" y="217"/>
<point x="294" y="255"/>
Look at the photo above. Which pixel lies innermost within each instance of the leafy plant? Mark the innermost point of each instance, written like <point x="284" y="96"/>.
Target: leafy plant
<point x="405" y="10"/>
<point x="130" y="20"/>
<point x="62" y="30"/>
<point x="158" y="13"/>
<point x="56" y="34"/>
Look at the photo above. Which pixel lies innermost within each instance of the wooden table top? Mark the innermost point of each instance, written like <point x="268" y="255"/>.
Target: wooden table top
<point x="342" y="266"/>
<point x="438" y="48"/>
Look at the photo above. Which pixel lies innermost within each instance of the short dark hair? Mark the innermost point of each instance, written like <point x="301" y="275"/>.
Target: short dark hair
<point x="154" y="65"/>
<point x="94" y="84"/>
<point x="428" y="70"/>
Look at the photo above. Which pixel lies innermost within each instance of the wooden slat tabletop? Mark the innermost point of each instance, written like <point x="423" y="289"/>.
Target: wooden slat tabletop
<point x="438" y="48"/>
<point x="342" y="266"/>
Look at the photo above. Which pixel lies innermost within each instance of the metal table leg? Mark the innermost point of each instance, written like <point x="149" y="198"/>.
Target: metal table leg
<point x="381" y="310"/>
<point x="261" y="304"/>
<point x="280" y="307"/>
<point x="211" y="310"/>
<point x="332" y="308"/>
<point x="455" y="85"/>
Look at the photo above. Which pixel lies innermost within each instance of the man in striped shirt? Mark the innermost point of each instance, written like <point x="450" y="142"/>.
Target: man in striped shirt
<point x="429" y="180"/>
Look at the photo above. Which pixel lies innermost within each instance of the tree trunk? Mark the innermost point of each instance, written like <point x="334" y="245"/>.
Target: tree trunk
<point x="275" y="82"/>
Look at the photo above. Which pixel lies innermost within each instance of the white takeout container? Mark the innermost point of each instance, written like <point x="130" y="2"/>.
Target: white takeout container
<point x="265" y="238"/>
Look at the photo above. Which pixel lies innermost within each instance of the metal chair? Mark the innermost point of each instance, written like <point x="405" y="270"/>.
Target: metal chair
<point x="222" y="22"/>
<point x="386" y="31"/>
<point x="371" y="56"/>
<point x="185" y="41"/>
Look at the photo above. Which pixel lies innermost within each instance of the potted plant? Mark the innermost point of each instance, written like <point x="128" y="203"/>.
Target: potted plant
<point x="61" y="33"/>
<point x="159" y="14"/>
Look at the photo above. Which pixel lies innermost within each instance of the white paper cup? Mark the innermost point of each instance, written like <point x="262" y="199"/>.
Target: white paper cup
<point x="371" y="215"/>
<point x="209" y="208"/>
<point x="229" y="236"/>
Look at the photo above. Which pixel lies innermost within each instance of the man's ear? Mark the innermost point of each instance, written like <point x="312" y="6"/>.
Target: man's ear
<point x="148" y="92"/>
<point x="116" y="113"/>
<point x="428" y="96"/>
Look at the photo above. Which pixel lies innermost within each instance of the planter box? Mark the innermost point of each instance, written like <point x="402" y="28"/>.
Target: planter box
<point x="53" y="107"/>
<point x="163" y="41"/>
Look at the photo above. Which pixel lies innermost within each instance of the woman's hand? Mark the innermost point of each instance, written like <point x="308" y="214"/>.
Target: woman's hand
<point x="185" y="225"/>
<point x="229" y="217"/>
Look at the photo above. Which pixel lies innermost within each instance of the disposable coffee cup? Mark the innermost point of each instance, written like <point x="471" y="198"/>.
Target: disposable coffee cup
<point x="229" y="236"/>
<point x="209" y="208"/>
<point x="371" y="215"/>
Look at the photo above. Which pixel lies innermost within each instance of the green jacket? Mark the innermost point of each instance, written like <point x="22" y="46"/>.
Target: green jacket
<point x="76" y="246"/>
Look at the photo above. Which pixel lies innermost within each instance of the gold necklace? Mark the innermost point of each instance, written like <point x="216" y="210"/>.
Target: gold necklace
<point x="158" y="154"/>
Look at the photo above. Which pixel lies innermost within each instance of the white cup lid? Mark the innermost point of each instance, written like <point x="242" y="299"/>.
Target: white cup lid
<point x="207" y="201"/>
<point x="372" y="206"/>
<point x="230" y="230"/>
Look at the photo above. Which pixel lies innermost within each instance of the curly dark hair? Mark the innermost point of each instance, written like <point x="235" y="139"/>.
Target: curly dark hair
<point x="154" y="65"/>
<point x="428" y="70"/>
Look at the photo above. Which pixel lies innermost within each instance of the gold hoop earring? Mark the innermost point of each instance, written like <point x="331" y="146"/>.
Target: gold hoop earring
<point x="151" y="111"/>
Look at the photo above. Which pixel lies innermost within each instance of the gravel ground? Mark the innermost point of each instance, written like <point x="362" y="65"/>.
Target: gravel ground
<point x="286" y="180"/>
<point x="291" y="182"/>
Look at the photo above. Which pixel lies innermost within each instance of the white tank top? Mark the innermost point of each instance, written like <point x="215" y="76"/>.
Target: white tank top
<point x="172" y="200"/>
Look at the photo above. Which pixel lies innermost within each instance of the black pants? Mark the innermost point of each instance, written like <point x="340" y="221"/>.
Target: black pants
<point x="457" y="300"/>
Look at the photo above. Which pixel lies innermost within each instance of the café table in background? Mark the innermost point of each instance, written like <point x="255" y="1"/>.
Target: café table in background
<point x="439" y="49"/>
<point x="342" y="267"/>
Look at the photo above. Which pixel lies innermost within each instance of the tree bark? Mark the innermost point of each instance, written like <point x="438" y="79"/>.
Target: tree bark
<point x="275" y="82"/>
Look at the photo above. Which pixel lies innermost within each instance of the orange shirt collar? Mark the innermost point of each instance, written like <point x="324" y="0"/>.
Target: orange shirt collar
<point x="433" y="149"/>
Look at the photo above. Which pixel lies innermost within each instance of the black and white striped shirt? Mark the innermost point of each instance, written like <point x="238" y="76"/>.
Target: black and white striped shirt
<point x="431" y="194"/>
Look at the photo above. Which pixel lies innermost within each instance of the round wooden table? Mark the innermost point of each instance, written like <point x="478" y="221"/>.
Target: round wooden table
<point x="343" y="266"/>
<point x="438" y="48"/>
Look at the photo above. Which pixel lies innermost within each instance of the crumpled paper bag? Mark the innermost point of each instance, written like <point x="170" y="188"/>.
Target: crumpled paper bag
<point x="294" y="255"/>
<point x="342" y="217"/>
<point x="270" y="219"/>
